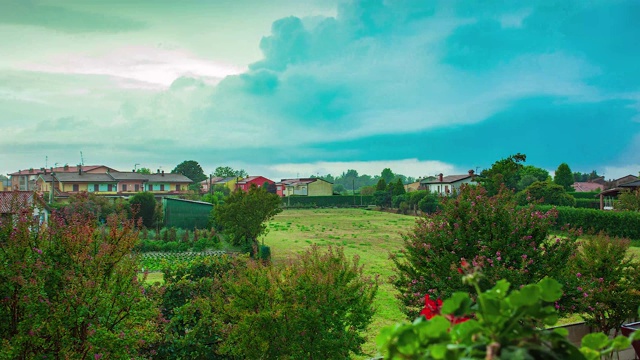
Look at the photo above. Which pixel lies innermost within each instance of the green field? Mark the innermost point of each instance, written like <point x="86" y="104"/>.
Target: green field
<point x="371" y="235"/>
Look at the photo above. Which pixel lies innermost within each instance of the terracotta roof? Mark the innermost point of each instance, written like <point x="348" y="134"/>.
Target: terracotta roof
<point x="75" y="177"/>
<point x="12" y="201"/>
<point x="587" y="186"/>
<point x="447" y="179"/>
<point x="59" y="169"/>
<point x="251" y="178"/>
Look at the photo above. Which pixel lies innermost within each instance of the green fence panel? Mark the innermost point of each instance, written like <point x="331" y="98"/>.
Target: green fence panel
<point x="186" y="214"/>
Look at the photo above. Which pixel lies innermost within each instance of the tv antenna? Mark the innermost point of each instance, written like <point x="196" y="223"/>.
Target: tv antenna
<point x="81" y="159"/>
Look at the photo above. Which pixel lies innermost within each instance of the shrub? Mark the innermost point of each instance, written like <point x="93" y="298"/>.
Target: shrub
<point x="265" y="253"/>
<point x="607" y="280"/>
<point x="546" y="193"/>
<point x="624" y="224"/>
<point x="143" y="206"/>
<point x="316" y="306"/>
<point x="508" y="243"/>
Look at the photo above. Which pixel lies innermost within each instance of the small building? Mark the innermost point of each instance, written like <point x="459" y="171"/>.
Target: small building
<point x="304" y="187"/>
<point x="446" y="185"/>
<point x="607" y="197"/>
<point x="229" y="182"/>
<point x="259" y="181"/>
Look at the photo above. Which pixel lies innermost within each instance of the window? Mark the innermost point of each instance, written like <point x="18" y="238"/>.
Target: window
<point x="177" y="187"/>
<point x="150" y="187"/>
<point x="137" y="187"/>
<point x="96" y="187"/>
<point x="76" y="187"/>
<point x="124" y="187"/>
<point x="161" y="187"/>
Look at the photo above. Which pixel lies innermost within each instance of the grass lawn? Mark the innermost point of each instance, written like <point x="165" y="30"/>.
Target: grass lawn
<point x="372" y="235"/>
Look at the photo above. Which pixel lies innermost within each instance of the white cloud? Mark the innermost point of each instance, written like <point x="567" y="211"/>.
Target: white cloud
<point x="138" y="66"/>
<point x="616" y="172"/>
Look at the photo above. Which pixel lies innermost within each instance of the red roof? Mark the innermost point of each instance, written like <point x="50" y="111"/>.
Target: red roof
<point x="587" y="186"/>
<point x="59" y="169"/>
<point x="12" y="201"/>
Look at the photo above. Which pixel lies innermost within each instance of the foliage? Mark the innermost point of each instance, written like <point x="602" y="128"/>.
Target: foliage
<point x="529" y="170"/>
<point x="545" y="192"/>
<point x="629" y="200"/>
<point x="243" y="215"/>
<point x="490" y="231"/>
<point x="396" y="188"/>
<point x="228" y="171"/>
<point x="430" y="203"/>
<point x="367" y="190"/>
<point x="382" y="198"/>
<point x="505" y="324"/>
<point x="624" y="224"/>
<point x="584" y="177"/>
<point x="94" y="206"/>
<point x="216" y="198"/>
<point x="70" y="289"/>
<point x="607" y="282"/>
<point x="326" y="201"/>
<point x="504" y="172"/>
<point x="144" y="171"/>
<point x="190" y="169"/>
<point x="564" y="177"/>
<point x="143" y="206"/>
<point x="588" y="203"/>
<point x="381" y="185"/>
<point x="387" y="175"/>
<point x="315" y="306"/>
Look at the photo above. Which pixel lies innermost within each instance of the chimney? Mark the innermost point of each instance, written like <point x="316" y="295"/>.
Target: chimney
<point x="79" y="169"/>
<point x="471" y="172"/>
<point x="440" y="177"/>
<point x="162" y="172"/>
<point x="158" y="171"/>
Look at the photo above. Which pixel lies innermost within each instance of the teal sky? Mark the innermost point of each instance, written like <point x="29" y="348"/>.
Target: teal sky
<point x="288" y="87"/>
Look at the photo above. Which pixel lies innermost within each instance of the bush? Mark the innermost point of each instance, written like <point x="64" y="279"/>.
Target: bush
<point x="624" y="224"/>
<point x="143" y="206"/>
<point x="316" y="306"/>
<point x="265" y="253"/>
<point x="607" y="280"/>
<point x="490" y="232"/>
<point x="588" y="203"/>
<point x="545" y="192"/>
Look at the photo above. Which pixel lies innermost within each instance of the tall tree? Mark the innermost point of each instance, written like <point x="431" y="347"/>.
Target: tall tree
<point x="243" y="215"/>
<point x="190" y="169"/>
<point x="564" y="176"/>
<point x="228" y="171"/>
<point x="143" y="205"/>
<point x="387" y="175"/>
<point x="502" y="172"/>
<point x="382" y="185"/>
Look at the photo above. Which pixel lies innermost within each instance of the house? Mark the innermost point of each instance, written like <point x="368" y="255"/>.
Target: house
<point x="446" y="185"/>
<point x="11" y="202"/>
<point x="587" y="186"/>
<point x="129" y="183"/>
<point x="304" y="187"/>
<point x="259" y="181"/>
<point x="167" y="184"/>
<point x="607" y="197"/>
<point x="611" y="184"/>
<point x="25" y="180"/>
<point x="207" y="184"/>
<point x="229" y="182"/>
<point x="414" y="186"/>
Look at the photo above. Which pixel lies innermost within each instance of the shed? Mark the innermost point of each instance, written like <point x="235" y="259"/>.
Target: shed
<point x="186" y="214"/>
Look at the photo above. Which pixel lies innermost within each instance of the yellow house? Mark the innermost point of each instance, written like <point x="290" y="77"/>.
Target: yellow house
<point x="229" y="182"/>
<point x="304" y="187"/>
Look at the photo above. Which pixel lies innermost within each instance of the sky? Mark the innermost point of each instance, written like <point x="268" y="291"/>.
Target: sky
<point x="287" y="88"/>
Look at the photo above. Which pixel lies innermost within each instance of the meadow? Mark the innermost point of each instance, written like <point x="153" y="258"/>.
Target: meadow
<point x="371" y="235"/>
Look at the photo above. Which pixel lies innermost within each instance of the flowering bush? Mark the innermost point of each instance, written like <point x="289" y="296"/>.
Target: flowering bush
<point x="490" y="232"/>
<point x="504" y="323"/>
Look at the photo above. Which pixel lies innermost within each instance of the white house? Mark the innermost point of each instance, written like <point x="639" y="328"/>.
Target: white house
<point x="446" y="185"/>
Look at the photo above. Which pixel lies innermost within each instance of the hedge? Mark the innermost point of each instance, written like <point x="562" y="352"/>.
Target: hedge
<point x="327" y="201"/>
<point x="614" y="223"/>
<point x="583" y="195"/>
<point x="588" y="203"/>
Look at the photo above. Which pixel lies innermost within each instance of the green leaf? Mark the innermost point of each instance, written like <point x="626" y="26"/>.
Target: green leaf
<point x="438" y="351"/>
<point x="590" y="354"/>
<point x="561" y="331"/>
<point x="501" y="288"/>
<point x="437" y="327"/>
<point x="527" y="296"/>
<point x="621" y="343"/>
<point x="551" y="289"/>
<point x="458" y="304"/>
<point x="595" y="341"/>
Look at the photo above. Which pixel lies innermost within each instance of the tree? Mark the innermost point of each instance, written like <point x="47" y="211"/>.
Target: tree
<point x="227" y="171"/>
<point x="190" y="169"/>
<point x="397" y="188"/>
<point x="382" y="185"/>
<point x="502" y="172"/>
<point x="564" y="177"/>
<point x="144" y="171"/>
<point x="243" y="215"/>
<point x="545" y="192"/>
<point x="143" y="206"/>
<point x="629" y="200"/>
<point x="387" y="175"/>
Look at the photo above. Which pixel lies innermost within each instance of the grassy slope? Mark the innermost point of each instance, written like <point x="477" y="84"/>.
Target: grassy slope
<point x="368" y="234"/>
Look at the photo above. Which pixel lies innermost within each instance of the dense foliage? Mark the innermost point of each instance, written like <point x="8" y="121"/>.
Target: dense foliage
<point x="564" y="176"/>
<point x="607" y="280"/>
<point x="243" y="215"/>
<point x="503" y="173"/>
<point x="629" y="200"/>
<point x="545" y="192"/>
<point x="624" y="224"/>
<point x="143" y="207"/>
<point x="190" y="169"/>
<point x="504" y="323"/>
<point x="70" y="289"/>
<point x="510" y="243"/>
<point x="314" y="306"/>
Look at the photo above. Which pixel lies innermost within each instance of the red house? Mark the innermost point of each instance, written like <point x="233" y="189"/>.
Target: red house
<point x="245" y="184"/>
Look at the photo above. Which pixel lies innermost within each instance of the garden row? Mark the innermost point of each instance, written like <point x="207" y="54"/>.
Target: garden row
<point x="614" y="223"/>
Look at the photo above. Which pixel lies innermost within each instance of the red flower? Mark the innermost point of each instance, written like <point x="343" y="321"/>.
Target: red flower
<point x="432" y="308"/>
